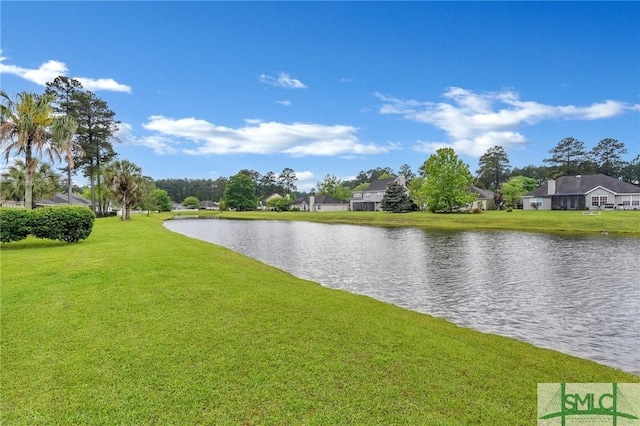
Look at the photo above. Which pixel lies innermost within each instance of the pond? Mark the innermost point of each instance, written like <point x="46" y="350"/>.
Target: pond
<point x="578" y="294"/>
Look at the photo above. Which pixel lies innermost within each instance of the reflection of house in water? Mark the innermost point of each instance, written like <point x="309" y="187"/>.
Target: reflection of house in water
<point x="370" y="199"/>
<point x="319" y="203"/>
<point x="583" y="192"/>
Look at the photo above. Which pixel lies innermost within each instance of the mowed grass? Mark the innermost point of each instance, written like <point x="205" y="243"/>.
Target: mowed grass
<point x="137" y="326"/>
<point x="619" y="222"/>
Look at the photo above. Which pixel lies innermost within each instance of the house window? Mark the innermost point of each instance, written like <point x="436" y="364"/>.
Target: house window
<point x="599" y="201"/>
<point x="367" y="195"/>
<point x="357" y="195"/>
<point x="536" y="203"/>
<point x="635" y="201"/>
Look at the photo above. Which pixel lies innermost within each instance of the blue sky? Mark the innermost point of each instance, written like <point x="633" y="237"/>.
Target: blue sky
<point x="205" y="89"/>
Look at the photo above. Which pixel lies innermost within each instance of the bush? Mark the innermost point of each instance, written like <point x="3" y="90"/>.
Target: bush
<point x="68" y="224"/>
<point x="477" y="210"/>
<point x="14" y="224"/>
<point x="509" y="210"/>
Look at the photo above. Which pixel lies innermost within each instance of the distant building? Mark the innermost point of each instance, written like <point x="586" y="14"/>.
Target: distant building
<point x="484" y="196"/>
<point x="209" y="205"/>
<point x="583" y="192"/>
<point x="370" y="199"/>
<point x="319" y="203"/>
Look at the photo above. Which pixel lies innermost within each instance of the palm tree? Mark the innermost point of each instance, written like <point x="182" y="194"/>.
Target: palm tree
<point x="45" y="181"/>
<point x="63" y="130"/>
<point x="125" y="182"/>
<point x="25" y="128"/>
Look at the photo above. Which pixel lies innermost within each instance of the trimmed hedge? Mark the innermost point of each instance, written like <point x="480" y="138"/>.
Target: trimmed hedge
<point x="15" y="224"/>
<point x="68" y="224"/>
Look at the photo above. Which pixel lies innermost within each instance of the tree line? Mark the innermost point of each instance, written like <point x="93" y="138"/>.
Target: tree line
<point x="67" y="123"/>
<point x="569" y="157"/>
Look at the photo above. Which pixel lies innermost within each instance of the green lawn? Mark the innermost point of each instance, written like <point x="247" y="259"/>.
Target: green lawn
<point x="137" y="325"/>
<point x="622" y="222"/>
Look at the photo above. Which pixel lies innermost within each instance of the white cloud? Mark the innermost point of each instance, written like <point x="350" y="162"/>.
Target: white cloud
<point x="296" y="139"/>
<point x="285" y="103"/>
<point x="51" y="69"/>
<point x="475" y="122"/>
<point x="282" y="80"/>
<point x="306" y="180"/>
<point x="107" y="84"/>
<point x="159" y="145"/>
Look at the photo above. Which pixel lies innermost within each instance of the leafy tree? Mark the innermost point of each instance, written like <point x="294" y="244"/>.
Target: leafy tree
<point x="417" y="191"/>
<point x="191" y="202"/>
<point x="369" y="176"/>
<point x="219" y="185"/>
<point x="406" y="171"/>
<point x="254" y="175"/>
<point x="240" y="193"/>
<point x="631" y="171"/>
<point x="280" y="203"/>
<point x="333" y="187"/>
<point x="607" y="157"/>
<point x="25" y="127"/>
<point x="493" y="168"/>
<point x="96" y="127"/>
<point x="161" y="200"/>
<point x="287" y="179"/>
<point x="44" y="185"/>
<point x="568" y="157"/>
<point x="361" y="187"/>
<point x="66" y="91"/>
<point x="202" y="189"/>
<point x="124" y="181"/>
<point x="267" y="185"/>
<point x="396" y="199"/>
<point x="513" y="189"/>
<point x="539" y="173"/>
<point x="447" y="182"/>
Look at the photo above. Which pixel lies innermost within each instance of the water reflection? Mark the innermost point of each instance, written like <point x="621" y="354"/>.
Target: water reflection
<point x="576" y="294"/>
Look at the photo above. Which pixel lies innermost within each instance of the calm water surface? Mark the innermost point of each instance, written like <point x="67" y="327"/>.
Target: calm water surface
<point x="575" y="294"/>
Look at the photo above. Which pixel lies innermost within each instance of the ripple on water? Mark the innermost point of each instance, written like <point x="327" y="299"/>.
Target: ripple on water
<point x="575" y="294"/>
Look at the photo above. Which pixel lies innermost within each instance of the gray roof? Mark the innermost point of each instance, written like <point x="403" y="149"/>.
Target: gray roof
<point x="60" y="198"/>
<point x="380" y="184"/>
<point x="482" y="193"/>
<point x="325" y="199"/>
<point x="580" y="185"/>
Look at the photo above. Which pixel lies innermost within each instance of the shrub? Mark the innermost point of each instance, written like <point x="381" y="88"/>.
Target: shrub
<point x="14" y="224"/>
<point x="68" y="224"/>
<point x="477" y="210"/>
<point x="509" y="210"/>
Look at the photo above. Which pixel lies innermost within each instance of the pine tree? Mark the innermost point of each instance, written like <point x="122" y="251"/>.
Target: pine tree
<point x="396" y="199"/>
<point x="493" y="168"/>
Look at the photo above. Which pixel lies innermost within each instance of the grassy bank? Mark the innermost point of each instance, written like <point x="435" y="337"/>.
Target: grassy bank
<point x="619" y="222"/>
<point x="137" y="325"/>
